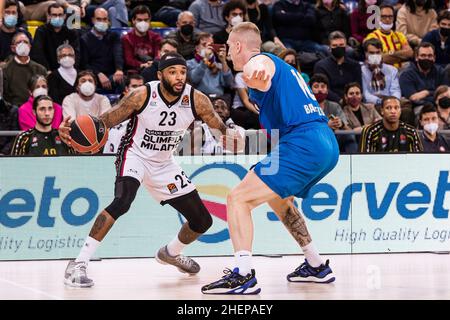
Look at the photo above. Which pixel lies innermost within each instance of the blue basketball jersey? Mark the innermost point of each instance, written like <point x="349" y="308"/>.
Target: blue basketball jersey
<point x="288" y="103"/>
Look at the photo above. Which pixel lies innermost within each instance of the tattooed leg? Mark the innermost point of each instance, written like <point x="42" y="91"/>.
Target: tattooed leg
<point x="292" y="220"/>
<point x="101" y="226"/>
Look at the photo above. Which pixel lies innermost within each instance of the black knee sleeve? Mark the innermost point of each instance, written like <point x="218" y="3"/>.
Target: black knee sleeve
<point x="192" y="208"/>
<point x="124" y="193"/>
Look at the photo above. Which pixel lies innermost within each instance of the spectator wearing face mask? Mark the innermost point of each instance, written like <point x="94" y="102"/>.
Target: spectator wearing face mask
<point x="51" y="35"/>
<point x="432" y="141"/>
<point x="185" y="35"/>
<point x="140" y="45"/>
<point x="378" y="79"/>
<point x="27" y="118"/>
<point x="396" y="49"/>
<point x="415" y="19"/>
<point x="85" y="100"/>
<point x="19" y="70"/>
<point x="442" y="101"/>
<point x="419" y="81"/>
<point x="339" y="69"/>
<point x="440" y="38"/>
<point x="61" y="82"/>
<point x="208" y="71"/>
<point x="333" y="111"/>
<point x="234" y="12"/>
<point x="9" y="28"/>
<point x="358" y="114"/>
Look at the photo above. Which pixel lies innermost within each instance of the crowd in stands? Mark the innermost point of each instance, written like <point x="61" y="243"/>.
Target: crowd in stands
<point x="382" y="74"/>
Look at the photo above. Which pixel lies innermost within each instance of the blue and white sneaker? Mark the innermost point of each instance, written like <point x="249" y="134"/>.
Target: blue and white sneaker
<point x="306" y="273"/>
<point x="233" y="283"/>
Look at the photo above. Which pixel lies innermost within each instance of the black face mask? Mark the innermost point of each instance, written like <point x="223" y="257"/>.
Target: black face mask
<point x="425" y="64"/>
<point x="445" y="32"/>
<point x="187" y="29"/>
<point x="338" y="52"/>
<point x="444" y="102"/>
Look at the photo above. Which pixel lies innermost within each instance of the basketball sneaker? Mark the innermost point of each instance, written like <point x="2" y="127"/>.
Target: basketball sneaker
<point x="307" y="273"/>
<point x="233" y="283"/>
<point x="76" y="276"/>
<point x="183" y="263"/>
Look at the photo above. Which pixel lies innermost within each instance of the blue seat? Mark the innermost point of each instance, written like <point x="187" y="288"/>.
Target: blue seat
<point x="121" y="31"/>
<point x="163" y="32"/>
<point x="113" y="98"/>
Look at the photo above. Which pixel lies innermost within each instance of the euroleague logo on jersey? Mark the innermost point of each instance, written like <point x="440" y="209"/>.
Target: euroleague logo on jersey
<point x="217" y="209"/>
<point x="185" y="102"/>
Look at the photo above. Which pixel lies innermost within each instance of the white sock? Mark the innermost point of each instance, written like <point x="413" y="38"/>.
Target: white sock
<point x="89" y="247"/>
<point x="243" y="261"/>
<point x="311" y="254"/>
<point x="175" y="246"/>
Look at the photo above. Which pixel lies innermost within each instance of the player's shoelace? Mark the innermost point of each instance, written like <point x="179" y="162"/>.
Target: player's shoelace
<point x="305" y="270"/>
<point x="79" y="271"/>
<point x="230" y="274"/>
<point x="185" y="261"/>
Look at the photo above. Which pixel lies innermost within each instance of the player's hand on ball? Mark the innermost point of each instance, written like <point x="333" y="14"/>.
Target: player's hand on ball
<point x="64" y="131"/>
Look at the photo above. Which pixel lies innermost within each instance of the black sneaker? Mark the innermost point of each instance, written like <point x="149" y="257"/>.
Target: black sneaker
<point x="307" y="273"/>
<point x="233" y="283"/>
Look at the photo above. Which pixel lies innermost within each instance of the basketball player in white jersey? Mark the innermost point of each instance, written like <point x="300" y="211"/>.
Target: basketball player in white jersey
<point x="159" y="113"/>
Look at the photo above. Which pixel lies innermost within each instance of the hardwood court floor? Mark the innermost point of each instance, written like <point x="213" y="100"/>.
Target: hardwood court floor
<point x="369" y="276"/>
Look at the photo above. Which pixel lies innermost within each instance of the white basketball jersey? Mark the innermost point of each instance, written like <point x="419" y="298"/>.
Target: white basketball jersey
<point x="156" y="130"/>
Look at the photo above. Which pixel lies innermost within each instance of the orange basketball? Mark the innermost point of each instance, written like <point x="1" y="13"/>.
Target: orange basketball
<point x="88" y="134"/>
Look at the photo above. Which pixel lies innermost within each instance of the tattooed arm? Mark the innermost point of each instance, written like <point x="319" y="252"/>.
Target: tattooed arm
<point x="231" y="138"/>
<point x="205" y="111"/>
<point x="132" y="102"/>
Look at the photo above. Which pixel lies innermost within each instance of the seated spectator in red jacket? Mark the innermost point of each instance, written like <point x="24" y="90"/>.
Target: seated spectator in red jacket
<point x="102" y="53"/>
<point x="27" y="118"/>
<point x="140" y="45"/>
<point x="61" y="82"/>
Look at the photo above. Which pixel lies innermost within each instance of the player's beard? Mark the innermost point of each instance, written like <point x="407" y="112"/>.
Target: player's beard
<point x="170" y="88"/>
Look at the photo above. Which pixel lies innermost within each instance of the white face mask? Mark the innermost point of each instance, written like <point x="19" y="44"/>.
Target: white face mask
<point x="374" y="59"/>
<point x="236" y="20"/>
<point x="386" y="27"/>
<point x="87" y="88"/>
<point x="22" y="49"/>
<point x="40" y="92"/>
<point x="431" y="127"/>
<point x="67" y="62"/>
<point x="203" y="53"/>
<point x="142" y="26"/>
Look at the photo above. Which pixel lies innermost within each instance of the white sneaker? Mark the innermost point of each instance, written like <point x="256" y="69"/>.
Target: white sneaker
<point x="76" y="276"/>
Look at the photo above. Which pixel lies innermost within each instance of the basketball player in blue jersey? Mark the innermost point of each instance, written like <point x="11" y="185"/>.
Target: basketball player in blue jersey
<point x="307" y="151"/>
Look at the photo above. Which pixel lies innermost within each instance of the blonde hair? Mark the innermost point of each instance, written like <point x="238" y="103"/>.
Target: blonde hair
<point x="249" y="30"/>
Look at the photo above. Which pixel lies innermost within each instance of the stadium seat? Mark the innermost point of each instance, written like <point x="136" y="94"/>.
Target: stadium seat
<point x="158" y="24"/>
<point x="113" y="98"/>
<point x="163" y="32"/>
<point x="32" y="25"/>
